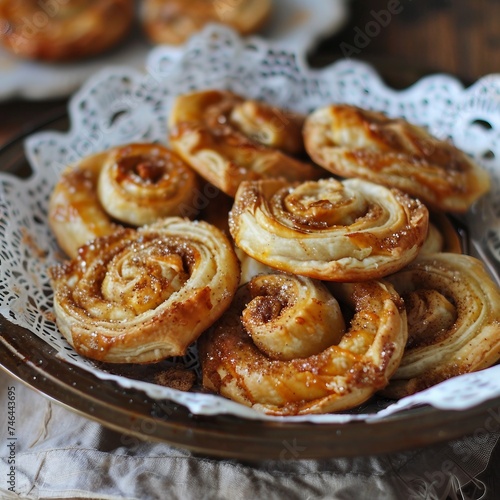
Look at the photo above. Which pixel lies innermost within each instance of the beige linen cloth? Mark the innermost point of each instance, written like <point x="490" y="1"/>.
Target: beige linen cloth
<point x="59" y="454"/>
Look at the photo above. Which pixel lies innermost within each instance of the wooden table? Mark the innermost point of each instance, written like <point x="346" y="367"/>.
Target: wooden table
<point x="405" y="39"/>
<point x="19" y="117"/>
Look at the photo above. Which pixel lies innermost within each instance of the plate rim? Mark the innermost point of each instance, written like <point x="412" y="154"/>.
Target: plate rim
<point x="136" y="415"/>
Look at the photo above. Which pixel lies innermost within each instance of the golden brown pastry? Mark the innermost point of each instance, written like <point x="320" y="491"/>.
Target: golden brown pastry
<point x="453" y="310"/>
<point x="64" y="30"/>
<point x="174" y="21"/>
<point x="139" y="296"/>
<point x="140" y="183"/>
<point x="336" y="231"/>
<point x="75" y="214"/>
<point x="135" y="184"/>
<point x="228" y="139"/>
<point x="353" y="142"/>
<point x="284" y="347"/>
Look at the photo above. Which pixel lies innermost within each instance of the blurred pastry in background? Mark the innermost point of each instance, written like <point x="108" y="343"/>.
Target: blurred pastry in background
<point x="174" y="21"/>
<point x="63" y="30"/>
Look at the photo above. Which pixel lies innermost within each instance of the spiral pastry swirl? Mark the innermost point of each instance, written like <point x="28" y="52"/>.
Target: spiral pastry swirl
<point x="284" y="347"/>
<point x="453" y="310"/>
<point x="139" y="296"/>
<point x="140" y="183"/>
<point x="336" y="231"/>
<point x="228" y="139"/>
<point x="64" y="30"/>
<point x="174" y="21"/>
<point x="135" y="184"/>
<point x="353" y="142"/>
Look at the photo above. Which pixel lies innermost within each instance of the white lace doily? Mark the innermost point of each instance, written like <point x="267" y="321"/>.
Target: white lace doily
<point x="120" y="105"/>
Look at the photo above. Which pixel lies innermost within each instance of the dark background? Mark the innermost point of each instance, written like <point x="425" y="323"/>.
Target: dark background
<point x="461" y="37"/>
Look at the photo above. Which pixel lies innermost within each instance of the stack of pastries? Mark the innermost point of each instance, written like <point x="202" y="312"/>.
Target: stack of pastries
<point x="310" y="258"/>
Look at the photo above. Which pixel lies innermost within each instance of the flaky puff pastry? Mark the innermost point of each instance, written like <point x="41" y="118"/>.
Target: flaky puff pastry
<point x="353" y="142"/>
<point x="139" y="296"/>
<point x="134" y="184"/>
<point x="453" y="310"/>
<point x="140" y="183"/>
<point x="336" y="231"/>
<point x="76" y="215"/>
<point x="174" y="21"/>
<point x="64" y="30"/>
<point x="284" y="347"/>
<point x="228" y="139"/>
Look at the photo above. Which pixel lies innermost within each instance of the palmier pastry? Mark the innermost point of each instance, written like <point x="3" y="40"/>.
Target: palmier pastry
<point x="228" y="139"/>
<point x="140" y="183"/>
<point x="453" y="310"/>
<point x="336" y="231"/>
<point x="141" y="295"/>
<point x="134" y="184"/>
<point x="284" y="347"/>
<point x="353" y="142"/>
<point x="174" y="21"/>
<point x="64" y="30"/>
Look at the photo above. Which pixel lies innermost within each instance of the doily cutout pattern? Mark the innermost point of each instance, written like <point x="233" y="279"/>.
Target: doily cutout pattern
<point x="120" y="105"/>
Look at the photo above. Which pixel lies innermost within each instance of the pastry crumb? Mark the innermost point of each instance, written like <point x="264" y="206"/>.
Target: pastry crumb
<point x="176" y="377"/>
